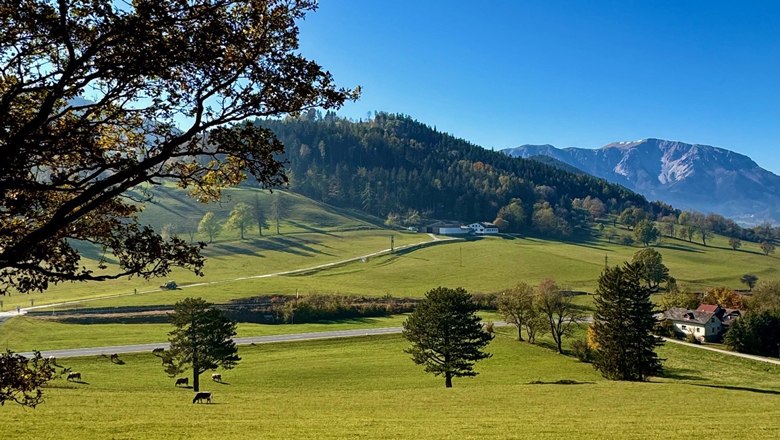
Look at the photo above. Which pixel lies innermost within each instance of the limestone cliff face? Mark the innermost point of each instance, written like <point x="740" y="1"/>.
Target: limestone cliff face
<point x="689" y="176"/>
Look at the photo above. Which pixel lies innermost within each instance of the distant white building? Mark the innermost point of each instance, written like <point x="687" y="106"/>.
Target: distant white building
<point x="483" y="228"/>
<point x="442" y="228"/>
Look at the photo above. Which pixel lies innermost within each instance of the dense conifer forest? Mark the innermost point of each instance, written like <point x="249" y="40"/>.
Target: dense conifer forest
<point x="400" y="169"/>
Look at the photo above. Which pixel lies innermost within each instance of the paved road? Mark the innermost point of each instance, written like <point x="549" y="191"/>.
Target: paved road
<point x="141" y="348"/>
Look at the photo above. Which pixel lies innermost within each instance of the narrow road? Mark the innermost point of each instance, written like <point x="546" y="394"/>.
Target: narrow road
<point x="141" y="348"/>
<point x="434" y="240"/>
<point x="732" y="353"/>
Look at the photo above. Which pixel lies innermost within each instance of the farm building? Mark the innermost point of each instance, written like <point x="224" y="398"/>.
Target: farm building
<point x="706" y="323"/>
<point x="482" y="228"/>
<point x="442" y="228"/>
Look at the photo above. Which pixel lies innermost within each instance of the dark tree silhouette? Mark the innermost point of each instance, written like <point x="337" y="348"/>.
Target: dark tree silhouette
<point x="202" y="340"/>
<point x="100" y="97"/>
<point x="623" y="326"/>
<point x="446" y="334"/>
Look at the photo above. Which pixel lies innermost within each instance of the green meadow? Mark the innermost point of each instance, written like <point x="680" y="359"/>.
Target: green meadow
<point x="368" y="388"/>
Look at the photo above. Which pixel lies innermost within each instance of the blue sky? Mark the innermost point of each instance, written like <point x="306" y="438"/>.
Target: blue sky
<point x="569" y="73"/>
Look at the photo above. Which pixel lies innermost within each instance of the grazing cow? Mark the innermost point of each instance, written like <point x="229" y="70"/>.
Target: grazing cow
<point x="182" y="381"/>
<point x="114" y="358"/>
<point x="201" y="396"/>
<point x="74" y="376"/>
<point x="52" y="360"/>
<point x="158" y="350"/>
<point x="216" y="377"/>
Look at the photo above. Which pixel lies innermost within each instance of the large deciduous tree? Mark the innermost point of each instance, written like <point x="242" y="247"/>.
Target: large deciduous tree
<point x="646" y="232"/>
<point x="446" y="334"/>
<point x="209" y="225"/>
<point x="652" y="268"/>
<point x="516" y="305"/>
<point x="22" y="378"/>
<point x="202" y="339"/>
<point x="98" y="97"/>
<point x="240" y="218"/>
<point x="558" y="310"/>
<point x="623" y="325"/>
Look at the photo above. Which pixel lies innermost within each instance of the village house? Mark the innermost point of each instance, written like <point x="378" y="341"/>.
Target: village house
<point x="483" y="228"/>
<point x="706" y="323"/>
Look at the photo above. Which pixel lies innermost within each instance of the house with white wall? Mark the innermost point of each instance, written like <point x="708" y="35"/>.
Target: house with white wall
<point x="483" y="228"/>
<point x="706" y="323"/>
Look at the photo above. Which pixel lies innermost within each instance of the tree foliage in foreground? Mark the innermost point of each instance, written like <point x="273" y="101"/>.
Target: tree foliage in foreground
<point x="446" y="334"/>
<point x="99" y="97"/>
<point x="623" y="326"/>
<point x="22" y="378"/>
<point x="202" y="339"/>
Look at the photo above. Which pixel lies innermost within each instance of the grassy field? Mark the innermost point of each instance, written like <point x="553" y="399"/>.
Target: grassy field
<point x="368" y="388"/>
<point x="486" y="265"/>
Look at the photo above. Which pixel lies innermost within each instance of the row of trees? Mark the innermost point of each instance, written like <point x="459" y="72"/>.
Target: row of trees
<point x="687" y="225"/>
<point x="447" y="337"/>
<point x="244" y="216"/>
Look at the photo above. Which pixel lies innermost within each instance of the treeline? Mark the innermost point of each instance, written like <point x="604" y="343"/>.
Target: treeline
<point x="690" y="225"/>
<point x="393" y="166"/>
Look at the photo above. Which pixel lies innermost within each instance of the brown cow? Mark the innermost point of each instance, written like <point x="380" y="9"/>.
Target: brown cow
<point x="74" y="376"/>
<point x="201" y="396"/>
<point x="216" y="377"/>
<point x="182" y="381"/>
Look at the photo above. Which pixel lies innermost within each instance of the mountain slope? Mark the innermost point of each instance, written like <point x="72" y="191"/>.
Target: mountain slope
<point x="689" y="176"/>
<point x="394" y="164"/>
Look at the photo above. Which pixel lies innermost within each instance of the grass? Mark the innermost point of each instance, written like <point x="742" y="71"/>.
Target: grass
<point x="27" y="334"/>
<point x="23" y="334"/>
<point x="368" y="388"/>
<point x="489" y="265"/>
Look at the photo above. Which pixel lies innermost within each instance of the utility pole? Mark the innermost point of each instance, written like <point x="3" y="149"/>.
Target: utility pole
<point x="392" y="244"/>
<point x="460" y="249"/>
<point x="606" y="260"/>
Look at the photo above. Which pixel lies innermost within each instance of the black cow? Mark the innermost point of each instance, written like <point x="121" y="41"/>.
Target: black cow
<point x="201" y="396"/>
<point x="182" y="381"/>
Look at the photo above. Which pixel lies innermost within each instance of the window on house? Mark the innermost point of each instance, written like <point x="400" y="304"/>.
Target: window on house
<point x="685" y="327"/>
<point x="698" y="329"/>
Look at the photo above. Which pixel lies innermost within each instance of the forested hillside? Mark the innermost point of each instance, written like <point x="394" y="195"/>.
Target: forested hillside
<point x="395" y="167"/>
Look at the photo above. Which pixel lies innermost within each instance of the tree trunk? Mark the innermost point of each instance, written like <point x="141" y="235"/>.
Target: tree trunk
<point x="448" y="379"/>
<point x="558" y="341"/>
<point x="195" y="380"/>
<point x="519" y="333"/>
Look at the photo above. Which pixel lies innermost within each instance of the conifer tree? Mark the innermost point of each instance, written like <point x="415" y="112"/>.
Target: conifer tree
<point x="446" y="334"/>
<point x="623" y="325"/>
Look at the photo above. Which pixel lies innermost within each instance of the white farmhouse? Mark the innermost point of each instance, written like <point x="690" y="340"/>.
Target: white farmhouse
<point x="483" y="228"/>
<point x="703" y="323"/>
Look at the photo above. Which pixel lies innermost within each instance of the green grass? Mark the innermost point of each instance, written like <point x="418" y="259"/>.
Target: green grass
<point x="368" y="388"/>
<point x="26" y="334"/>
<point x="23" y="334"/>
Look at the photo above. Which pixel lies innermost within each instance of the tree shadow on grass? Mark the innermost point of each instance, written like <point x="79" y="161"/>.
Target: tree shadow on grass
<point x="680" y="374"/>
<point x="736" y="388"/>
<point x="560" y="382"/>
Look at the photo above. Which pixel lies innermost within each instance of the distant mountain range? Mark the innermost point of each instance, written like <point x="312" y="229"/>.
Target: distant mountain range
<point x="689" y="176"/>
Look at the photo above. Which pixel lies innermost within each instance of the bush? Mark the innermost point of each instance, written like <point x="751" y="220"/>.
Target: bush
<point x="582" y="350"/>
<point x="691" y="338"/>
<point x="627" y="240"/>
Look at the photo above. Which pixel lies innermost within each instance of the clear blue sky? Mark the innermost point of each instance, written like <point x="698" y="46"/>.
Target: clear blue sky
<point x="568" y="73"/>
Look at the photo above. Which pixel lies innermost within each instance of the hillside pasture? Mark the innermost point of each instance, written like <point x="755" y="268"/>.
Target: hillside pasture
<point x="368" y="388"/>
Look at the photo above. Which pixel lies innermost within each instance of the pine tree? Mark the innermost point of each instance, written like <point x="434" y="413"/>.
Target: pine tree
<point x="623" y="325"/>
<point x="446" y="334"/>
